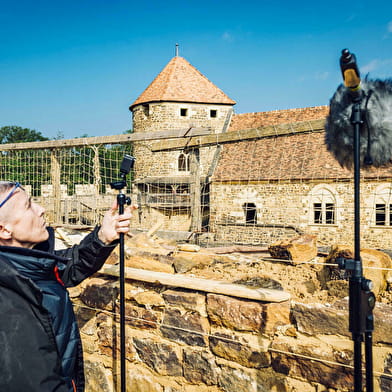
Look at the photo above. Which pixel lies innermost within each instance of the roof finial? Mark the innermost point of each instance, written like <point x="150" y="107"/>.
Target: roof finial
<point x="177" y="50"/>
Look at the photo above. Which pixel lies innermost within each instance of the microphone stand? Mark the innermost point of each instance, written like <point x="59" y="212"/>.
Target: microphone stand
<point x="361" y="299"/>
<point x="122" y="200"/>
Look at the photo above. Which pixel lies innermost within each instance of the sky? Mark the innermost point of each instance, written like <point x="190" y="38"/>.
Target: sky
<point x="72" y="68"/>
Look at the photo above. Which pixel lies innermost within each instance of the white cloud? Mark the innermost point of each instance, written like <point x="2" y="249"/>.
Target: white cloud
<point x="373" y="65"/>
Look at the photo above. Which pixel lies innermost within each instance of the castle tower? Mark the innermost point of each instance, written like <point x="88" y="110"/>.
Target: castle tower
<point x="180" y="97"/>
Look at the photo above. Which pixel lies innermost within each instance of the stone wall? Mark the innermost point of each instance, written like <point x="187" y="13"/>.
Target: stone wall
<point x="290" y="204"/>
<point x="187" y="341"/>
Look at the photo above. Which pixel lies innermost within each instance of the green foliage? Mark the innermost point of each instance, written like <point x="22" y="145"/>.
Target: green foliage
<point x="15" y="134"/>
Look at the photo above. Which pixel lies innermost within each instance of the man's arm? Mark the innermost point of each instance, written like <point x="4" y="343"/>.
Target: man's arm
<point x="90" y="255"/>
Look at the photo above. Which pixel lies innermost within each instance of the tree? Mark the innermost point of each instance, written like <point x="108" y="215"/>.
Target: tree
<point x="15" y="134"/>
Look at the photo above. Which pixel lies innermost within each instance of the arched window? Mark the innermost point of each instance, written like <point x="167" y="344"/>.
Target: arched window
<point x="383" y="206"/>
<point x="250" y="213"/>
<point x="183" y="162"/>
<point x="323" y="206"/>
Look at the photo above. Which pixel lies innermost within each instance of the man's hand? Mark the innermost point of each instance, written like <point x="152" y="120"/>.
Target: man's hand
<point x="113" y="224"/>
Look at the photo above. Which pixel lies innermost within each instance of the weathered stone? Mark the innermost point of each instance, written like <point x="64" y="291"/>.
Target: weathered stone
<point x="148" y="262"/>
<point x="97" y="377"/>
<point x="139" y="317"/>
<point x="189" y="328"/>
<point x="200" y="367"/>
<point x="234" y="313"/>
<point x="100" y="293"/>
<point x="238" y="349"/>
<point x="314" y="319"/>
<point x="302" y="248"/>
<point x="382" y="320"/>
<point x="386" y="382"/>
<point x="183" y="264"/>
<point x="187" y="300"/>
<point x="244" y="315"/>
<point x="163" y="358"/>
<point x="289" y="358"/>
<point x="238" y="380"/>
<point x="84" y="315"/>
<point x="137" y="382"/>
<point x="108" y="333"/>
<point x="149" y="298"/>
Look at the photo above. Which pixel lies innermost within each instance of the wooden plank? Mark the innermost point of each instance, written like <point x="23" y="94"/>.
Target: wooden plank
<point x="114" y="139"/>
<point x="199" y="284"/>
<point x="247" y="134"/>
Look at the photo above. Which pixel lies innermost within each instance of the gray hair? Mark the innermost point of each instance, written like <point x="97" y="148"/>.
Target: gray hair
<point x="6" y="185"/>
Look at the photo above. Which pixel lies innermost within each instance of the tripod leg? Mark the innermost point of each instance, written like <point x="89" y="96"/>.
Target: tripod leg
<point x="369" y="362"/>
<point x="357" y="338"/>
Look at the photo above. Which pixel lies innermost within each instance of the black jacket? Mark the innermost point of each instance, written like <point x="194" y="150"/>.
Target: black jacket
<point x="29" y="355"/>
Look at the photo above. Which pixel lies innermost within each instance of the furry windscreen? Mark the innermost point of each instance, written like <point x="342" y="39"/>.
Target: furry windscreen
<point x="376" y="130"/>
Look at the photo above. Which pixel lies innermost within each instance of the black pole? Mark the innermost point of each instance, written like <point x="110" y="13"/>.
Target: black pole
<point x="356" y="276"/>
<point x="122" y="200"/>
<point x="361" y="299"/>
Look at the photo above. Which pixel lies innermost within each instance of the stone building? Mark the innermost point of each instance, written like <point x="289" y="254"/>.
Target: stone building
<point x="253" y="191"/>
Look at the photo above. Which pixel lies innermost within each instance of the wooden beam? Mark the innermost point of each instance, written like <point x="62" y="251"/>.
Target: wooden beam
<point x="114" y="139"/>
<point x="199" y="284"/>
<point x="236" y="136"/>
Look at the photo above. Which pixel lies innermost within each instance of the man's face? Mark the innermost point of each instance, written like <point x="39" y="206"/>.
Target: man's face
<point x="22" y="221"/>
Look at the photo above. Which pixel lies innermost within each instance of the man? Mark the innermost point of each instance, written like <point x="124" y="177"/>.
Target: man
<point x="40" y="347"/>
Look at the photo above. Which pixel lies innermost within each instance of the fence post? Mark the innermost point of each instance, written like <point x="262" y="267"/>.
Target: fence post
<point x="55" y="179"/>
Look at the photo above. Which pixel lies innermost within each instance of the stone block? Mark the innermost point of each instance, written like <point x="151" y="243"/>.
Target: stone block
<point x="244" y="315"/>
<point x="310" y="359"/>
<point x="185" y="299"/>
<point x="238" y="380"/>
<point x="189" y="327"/>
<point x="302" y="248"/>
<point x="99" y="293"/>
<point x="163" y="358"/>
<point x="200" y="367"/>
<point x="315" y="319"/>
<point x="108" y="333"/>
<point x="149" y="299"/>
<point x="139" y="317"/>
<point x="249" y="351"/>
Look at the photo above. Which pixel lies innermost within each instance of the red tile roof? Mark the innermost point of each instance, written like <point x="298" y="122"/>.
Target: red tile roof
<point x="296" y="156"/>
<point x="180" y="81"/>
<point x="262" y="119"/>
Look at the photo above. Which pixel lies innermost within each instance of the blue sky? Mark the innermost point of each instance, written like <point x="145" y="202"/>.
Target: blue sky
<point x="73" y="67"/>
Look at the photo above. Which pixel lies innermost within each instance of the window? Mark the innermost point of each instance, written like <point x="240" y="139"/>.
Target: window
<point x="183" y="112"/>
<point x="183" y="162"/>
<point x="383" y="206"/>
<point x="323" y="206"/>
<point x="146" y="109"/>
<point x="213" y="113"/>
<point x="250" y="213"/>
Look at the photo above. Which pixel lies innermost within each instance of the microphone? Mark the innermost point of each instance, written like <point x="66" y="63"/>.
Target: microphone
<point x="375" y="100"/>
<point x="350" y="72"/>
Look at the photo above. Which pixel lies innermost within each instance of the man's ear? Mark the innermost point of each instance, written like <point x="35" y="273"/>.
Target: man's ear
<point x="5" y="232"/>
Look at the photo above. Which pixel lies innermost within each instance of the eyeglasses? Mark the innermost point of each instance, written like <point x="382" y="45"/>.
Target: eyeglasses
<point x="16" y="186"/>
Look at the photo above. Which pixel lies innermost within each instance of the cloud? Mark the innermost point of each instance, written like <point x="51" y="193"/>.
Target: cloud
<point x="369" y="67"/>
<point x="380" y="67"/>
<point x="226" y="36"/>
